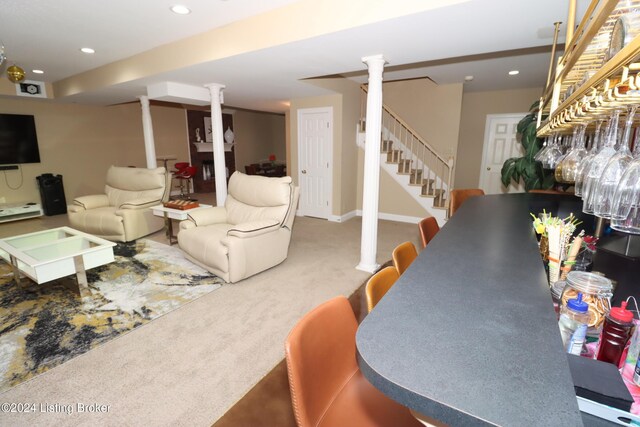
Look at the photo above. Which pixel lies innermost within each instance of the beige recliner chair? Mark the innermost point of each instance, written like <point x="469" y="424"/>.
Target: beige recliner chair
<point x="122" y="214"/>
<point x="250" y="234"/>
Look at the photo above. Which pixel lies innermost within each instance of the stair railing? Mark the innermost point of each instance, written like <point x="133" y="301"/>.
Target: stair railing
<point x="424" y="164"/>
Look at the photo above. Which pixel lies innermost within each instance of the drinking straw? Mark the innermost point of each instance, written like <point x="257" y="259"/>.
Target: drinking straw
<point x="573" y="253"/>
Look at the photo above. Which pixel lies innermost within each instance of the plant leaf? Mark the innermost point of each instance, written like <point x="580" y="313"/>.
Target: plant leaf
<point x="529" y="136"/>
<point x="507" y="171"/>
<point x="524" y="122"/>
<point x="535" y="106"/>
<point x="548" y="182"/>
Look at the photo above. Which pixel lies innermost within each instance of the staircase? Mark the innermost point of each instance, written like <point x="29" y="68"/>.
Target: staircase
<point x="412" y="162"/>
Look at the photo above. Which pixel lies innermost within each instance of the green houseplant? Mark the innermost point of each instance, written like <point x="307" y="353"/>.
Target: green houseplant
<point x="525" y="168"/>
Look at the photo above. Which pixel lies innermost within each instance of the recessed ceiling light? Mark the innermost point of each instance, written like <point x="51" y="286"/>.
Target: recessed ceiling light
<point x="514" y="72"/>
<point x="468" y="78"/>
<point x="38" y="71"/>
<point x="180" y="9"/>
<point x="87" y="50"/>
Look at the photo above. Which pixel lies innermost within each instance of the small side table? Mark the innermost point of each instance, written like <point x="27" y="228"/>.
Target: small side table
<point x="170" y="214"/>
<point x="165" y="159"/>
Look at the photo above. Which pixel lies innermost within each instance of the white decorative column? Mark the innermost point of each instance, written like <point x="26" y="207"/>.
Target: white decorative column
<point x="147" y="129"/>
<point x="371" y="182"/>
<point x="218" y="142"/>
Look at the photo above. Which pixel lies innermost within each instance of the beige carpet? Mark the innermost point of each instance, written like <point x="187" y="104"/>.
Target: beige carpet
<point x="191" y="365"/>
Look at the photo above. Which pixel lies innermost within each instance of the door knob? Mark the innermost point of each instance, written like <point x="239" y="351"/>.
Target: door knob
<point x="488" y="168"/>
<point x="304" y="171"/>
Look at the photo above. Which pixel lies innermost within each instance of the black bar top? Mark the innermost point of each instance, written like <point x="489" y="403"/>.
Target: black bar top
<point x="468" y="334"/>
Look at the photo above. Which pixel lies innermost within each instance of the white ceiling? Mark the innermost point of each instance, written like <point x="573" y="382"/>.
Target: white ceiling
<point x="445" y="44"/>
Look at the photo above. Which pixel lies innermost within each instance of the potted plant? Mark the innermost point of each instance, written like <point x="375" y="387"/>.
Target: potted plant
<point x="526" y="168"/>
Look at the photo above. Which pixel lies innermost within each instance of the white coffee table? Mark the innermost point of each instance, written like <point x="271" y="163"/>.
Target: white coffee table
<point x="52" y="254"/>
<point x="170" y="214"/>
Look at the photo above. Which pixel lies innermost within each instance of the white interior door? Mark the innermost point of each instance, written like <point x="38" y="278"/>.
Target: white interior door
<point x="500" y="144"/>
<point x="315" y="142"/>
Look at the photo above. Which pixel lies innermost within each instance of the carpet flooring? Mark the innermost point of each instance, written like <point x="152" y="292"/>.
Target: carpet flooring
<point x="43" y="326"/>
<point x="268" y="403"/>
<point x="192" y="365"/>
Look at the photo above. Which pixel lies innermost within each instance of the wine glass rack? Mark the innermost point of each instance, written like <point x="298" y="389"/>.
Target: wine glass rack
<point x="593" y="78"/>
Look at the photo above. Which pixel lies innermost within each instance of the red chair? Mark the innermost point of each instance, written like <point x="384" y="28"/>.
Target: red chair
<point x="185" y="175"/>
<point x="180" y="166"/>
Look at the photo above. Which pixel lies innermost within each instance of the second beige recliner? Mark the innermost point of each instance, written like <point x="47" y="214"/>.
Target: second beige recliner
<point x="247" y="235"/>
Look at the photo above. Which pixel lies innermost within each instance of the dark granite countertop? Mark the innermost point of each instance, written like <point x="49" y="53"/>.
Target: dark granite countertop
<point x="468" y="335"/>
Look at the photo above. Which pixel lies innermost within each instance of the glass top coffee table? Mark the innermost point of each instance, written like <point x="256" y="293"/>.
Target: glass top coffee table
<point x="52" y="254"/>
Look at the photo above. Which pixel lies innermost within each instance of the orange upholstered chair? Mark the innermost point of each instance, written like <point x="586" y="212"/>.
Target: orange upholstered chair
<point x="428" y="229"/>
<point x="403" y="256"/>
<point x="327" y="386"/>
<point x="379" y="284"/>
<point x="459" y="196"/>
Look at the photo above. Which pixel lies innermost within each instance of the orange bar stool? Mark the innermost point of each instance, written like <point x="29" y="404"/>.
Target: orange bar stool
<point x="379" y="284"/>
<point x="428" y="229"/>
<point x="459" y="196"/>
<point x="403" y="256"/>
<point x="327" y="386"/>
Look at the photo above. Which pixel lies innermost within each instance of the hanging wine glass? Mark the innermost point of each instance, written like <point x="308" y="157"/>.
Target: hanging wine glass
<point x="636" y="145"/>
<point x="625" y="206"/>
<point x="558" y="174"/>
<point x="612" y="173"/>
<point x="576" y="154"/>
<point x="599" y="162"/>
<point x="553" y="154"/>
<point x="543" y="150"/>
<point x="583" y="167"/>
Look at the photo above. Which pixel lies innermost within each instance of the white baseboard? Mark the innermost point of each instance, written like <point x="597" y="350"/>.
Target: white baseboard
<point x="394" y="217"/>
<point x="381" y="215"/>
<point x="343" y="218"/>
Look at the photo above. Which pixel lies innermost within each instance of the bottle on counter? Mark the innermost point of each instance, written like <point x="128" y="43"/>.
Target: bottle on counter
<point x="573" y="322"/>
<point x="618" y="325"/>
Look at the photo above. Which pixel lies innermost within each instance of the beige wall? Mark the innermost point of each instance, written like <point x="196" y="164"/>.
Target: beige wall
<point x="258" y="135"/>
<point x="80" y="142"/>
<point x="475" y="107"/>
<point x="432" y="110"/>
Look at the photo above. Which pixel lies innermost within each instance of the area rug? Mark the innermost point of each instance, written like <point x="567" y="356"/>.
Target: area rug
<point x="43" y="326"/>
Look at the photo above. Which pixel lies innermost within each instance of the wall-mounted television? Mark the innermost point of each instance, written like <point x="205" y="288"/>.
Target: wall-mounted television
<point x="18" y="139"/>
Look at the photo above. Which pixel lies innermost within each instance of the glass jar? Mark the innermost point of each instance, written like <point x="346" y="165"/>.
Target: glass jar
<point x="597" y="291"/>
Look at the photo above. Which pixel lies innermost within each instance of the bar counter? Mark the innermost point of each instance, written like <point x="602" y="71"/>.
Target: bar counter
<point x="468" y="334"/>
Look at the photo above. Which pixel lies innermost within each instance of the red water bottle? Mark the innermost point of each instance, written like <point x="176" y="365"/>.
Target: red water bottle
<point x="615" y="334"/>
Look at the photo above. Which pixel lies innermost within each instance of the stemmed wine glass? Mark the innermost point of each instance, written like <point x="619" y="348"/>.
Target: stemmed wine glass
<point x="599" y="162"/>
<point x="571" y="161"/>
<point x="613" y="171"/>
<point x="545" y="146"/>
<point x="585" y="163"/>
<point x="550" y="159"/>
<point x="625" y="206"/>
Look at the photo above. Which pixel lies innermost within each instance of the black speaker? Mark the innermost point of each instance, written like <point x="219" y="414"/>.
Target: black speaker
<point x="52" y="194"/>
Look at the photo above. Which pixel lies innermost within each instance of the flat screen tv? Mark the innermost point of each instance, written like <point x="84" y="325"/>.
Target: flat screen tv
<point x="18" y="139"/>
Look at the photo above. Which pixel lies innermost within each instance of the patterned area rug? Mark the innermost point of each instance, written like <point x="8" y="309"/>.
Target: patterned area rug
<point x="43" y="326"/>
